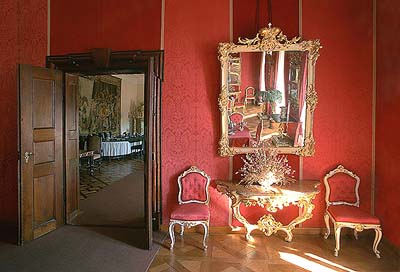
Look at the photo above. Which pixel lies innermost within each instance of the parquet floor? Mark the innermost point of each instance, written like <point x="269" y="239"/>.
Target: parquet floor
<point x="111" y="171"/>
<point x="231" y="253"/>
<point x="252" y="120"/>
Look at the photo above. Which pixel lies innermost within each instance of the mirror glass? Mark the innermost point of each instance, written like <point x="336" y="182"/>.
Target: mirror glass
<point x="267" y="94"/>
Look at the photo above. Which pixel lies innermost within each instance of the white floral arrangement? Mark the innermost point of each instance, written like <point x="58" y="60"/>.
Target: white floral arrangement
<point x="265" y="167"/>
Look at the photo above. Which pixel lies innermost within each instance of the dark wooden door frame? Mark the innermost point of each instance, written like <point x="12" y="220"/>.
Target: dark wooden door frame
<point x="150" y="63"/>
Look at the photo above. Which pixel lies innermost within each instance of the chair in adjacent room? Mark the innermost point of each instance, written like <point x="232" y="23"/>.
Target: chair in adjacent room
<point x="94" y="144"/>
<point x="342" y="207"/>
<point x="137" y="149"/>
<point x="192" y="208"/>
<point x="250" y="95"/>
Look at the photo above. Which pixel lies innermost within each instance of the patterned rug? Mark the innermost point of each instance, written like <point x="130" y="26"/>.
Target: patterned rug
<point x="111" y="171"/>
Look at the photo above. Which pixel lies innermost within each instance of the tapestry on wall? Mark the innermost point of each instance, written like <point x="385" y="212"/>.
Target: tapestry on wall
<point x="100" y="105"/>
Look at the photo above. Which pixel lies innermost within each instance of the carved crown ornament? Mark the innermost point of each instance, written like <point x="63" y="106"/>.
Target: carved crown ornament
<point x="269" y="39"/>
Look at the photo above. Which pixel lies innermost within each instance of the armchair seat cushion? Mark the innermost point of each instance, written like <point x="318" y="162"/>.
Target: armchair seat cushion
<point x="344" y="213"/>
<point x="191" y="212"/>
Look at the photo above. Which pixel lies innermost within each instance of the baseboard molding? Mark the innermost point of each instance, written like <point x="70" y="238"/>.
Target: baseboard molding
<point x="241" y="230"/>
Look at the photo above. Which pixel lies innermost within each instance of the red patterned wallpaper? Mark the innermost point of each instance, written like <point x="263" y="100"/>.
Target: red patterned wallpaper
<point x="285" y="15"/>
<point x="191" y="124"/>
<point x="343" y="117"/>
<point x="190" y="91"/>
<point x="23" y="37"/>
<point x="78" y="26"/>
<point x="387" y="114"/>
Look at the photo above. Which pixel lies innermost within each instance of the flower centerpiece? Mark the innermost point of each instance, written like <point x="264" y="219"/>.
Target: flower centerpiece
<point x="265" y="167"/>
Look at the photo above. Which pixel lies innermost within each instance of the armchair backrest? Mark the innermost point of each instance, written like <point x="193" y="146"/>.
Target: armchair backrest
<point x="236" y="117"/>
<point x="250" y="91"/>
<point x="193" y="186"/>
<point x="94" y="143"/>
<point x="341" y="187"/>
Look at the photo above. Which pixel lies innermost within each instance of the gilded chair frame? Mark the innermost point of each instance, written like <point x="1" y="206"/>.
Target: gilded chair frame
<point x="269" y="39"/>
<point x="246" y="94"/>
<point x="338" y="225"/>
<point x="191" y="223"/>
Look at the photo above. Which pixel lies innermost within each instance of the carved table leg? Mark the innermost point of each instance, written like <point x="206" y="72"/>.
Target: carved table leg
<point x="249" y="227"/>
<point x="306" y="213"/>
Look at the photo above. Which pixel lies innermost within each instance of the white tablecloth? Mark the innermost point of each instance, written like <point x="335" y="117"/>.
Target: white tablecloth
<point x="111" y="149"/>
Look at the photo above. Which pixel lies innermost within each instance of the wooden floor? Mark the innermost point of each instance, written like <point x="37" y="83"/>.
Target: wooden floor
<point x="231" y="253"/>
<point x="111" y="171"/>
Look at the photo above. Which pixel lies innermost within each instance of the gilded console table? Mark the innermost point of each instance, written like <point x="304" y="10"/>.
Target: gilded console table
<point x="300" y="193"/>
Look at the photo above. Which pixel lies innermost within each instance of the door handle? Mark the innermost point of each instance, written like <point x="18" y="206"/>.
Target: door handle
<point x="27" y="156"/>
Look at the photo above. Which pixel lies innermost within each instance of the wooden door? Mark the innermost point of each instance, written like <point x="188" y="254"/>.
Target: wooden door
<point x="71" y="147"/>
<point x="41" y="151"/>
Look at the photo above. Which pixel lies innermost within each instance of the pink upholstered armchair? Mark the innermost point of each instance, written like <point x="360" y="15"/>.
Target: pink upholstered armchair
<point x="236" y="118"/>
<point x="193" y="199"/>
<point x="236" y="121"/>
<point x="342" y="207"/>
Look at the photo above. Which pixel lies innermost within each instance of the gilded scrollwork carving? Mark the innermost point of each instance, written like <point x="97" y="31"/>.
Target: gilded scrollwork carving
<point x="308" y="148"/>
<point x="313" y="50"/>
<point x="269" y="40"/>
<point x="224" y="49"/>
<point x="311" y="98"/>
<point x="300" y="196"/>
<point x="224" y="150"/>
<point x="268" y="224"/>
<point x="223" y="100"/>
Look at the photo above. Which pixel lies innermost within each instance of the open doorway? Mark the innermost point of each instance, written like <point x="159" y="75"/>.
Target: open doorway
<point x="101" y="62"/>
<point x="111" y="150"/>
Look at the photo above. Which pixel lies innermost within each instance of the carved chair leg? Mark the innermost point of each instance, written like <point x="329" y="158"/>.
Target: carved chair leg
<point x="378" y="237"/>
<point x="172" y="235"/>
<point x="328" y="229"/>
<point x="182" y="230"/>
<point x="337" y="239"/>
<point x="355" y="234"/>
<point x="205" y="225"/>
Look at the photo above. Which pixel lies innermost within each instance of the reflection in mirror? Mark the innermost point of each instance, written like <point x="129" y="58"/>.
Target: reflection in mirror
<point x="268" y="94"/>
<point x="267" y="89"/>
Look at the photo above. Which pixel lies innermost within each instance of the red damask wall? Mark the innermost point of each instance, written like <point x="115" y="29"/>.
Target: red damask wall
<point x="343" y="117"/>
<point x="78" y="26"/>
<point x="23" y="38"/>
<point x="191" y="122"/>
<point x="191" y="125"/>
<point x="387" y="114"/>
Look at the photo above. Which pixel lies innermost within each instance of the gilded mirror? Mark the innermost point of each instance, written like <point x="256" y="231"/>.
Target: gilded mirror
<point x="268" y="94"/>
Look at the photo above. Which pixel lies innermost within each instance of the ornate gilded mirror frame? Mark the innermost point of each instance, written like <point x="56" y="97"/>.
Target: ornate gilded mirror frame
<point x="269" y="39"/>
